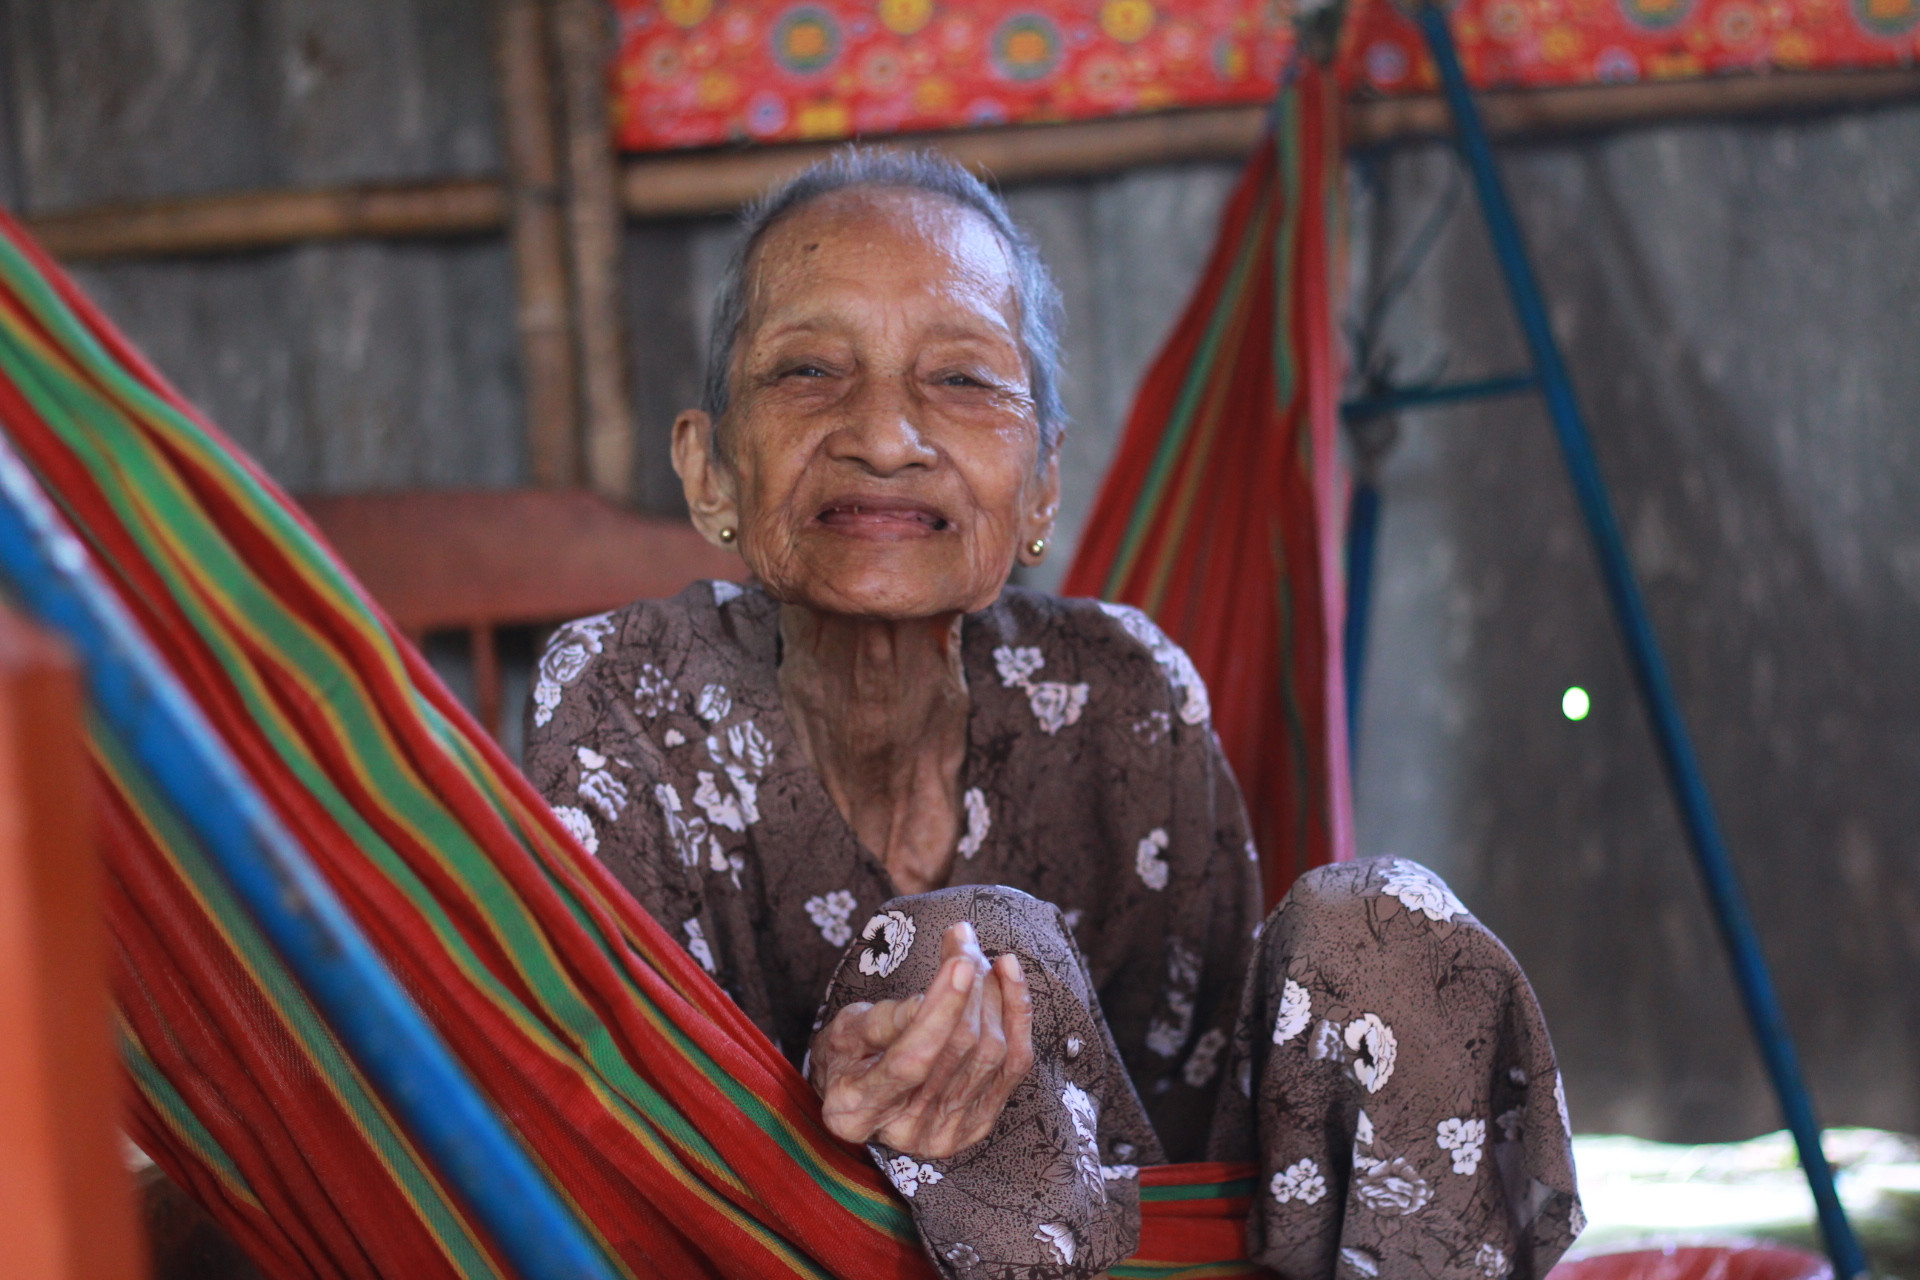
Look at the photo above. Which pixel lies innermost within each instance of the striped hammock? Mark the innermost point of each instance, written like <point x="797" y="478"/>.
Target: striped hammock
<point x="682" y="1139"/>
<point x="1220" y="516"/>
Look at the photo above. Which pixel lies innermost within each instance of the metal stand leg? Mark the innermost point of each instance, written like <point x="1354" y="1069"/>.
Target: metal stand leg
<point x="1643" y="653"/>
<point x="1363" y="528"/>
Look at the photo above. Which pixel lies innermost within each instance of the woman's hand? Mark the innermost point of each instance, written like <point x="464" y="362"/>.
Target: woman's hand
<point x="928" y="1075"/>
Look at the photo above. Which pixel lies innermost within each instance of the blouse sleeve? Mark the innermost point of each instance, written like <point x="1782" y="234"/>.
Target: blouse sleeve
<point x="588" y="754"/>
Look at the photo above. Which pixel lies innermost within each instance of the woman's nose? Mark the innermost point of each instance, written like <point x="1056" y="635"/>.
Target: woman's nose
<point x="882" y="432"/>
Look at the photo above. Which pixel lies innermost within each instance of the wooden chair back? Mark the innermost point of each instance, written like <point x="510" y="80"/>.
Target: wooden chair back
<point x="477" y="560"/>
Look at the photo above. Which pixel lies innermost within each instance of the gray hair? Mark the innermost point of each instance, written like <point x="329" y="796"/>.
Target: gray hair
<point x="1034" y="292"/>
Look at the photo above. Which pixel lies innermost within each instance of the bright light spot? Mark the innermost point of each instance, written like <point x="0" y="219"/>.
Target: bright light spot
<point x="1575" y="703"/>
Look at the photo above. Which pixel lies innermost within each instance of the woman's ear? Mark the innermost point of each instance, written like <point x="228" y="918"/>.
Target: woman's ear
<point x="712" y="498"/>
<point x="1043" y="507"/>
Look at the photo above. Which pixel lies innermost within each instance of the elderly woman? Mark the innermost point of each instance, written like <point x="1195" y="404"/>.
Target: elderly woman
<point x="972" y="853"/>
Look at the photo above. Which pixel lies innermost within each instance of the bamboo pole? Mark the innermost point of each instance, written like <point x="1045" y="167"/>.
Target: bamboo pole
<point x="543" y="314"/>
<point x="582" y="43"/>
<point x="268" y="219"/>
<point x="698" y="183"/>
<point x="1549" y="113"/>
<point x="690" y="183"/>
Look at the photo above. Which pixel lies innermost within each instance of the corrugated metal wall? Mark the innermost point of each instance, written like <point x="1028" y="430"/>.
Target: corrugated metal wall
<point x="1738" y="305"/>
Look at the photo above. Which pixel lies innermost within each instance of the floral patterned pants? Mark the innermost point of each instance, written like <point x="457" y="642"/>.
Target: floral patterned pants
<point x="1390" y="1073"/>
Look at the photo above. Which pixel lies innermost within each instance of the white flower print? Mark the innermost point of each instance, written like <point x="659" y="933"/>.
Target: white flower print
<point x="1057" y="705"/>
<point x="829" y="915"/>
<point x="1363" y="1131"/>
<point x="1518" y="1076"/>
<point x="1171" y="657"/>
<point x="1183" y="979"/>
<point x="1301" y="1181"/>
<point x="697" y="946"/>
<point x="892" y="934"/>
<point x="546" y="698"/>
<point x="1464" y="1138"/>
<point x="743" y="754"/>
<point x="1491" y="1261"/>
<point x="978" y="822"/>
<point x="962" y="1256"/>
<point x="1391" y="1186"/>
<point x="1016" y="666"/>
<point x="1165" y="1038"/>
<point x="1296" y="1010"/>
<point x="1374" y="1048"/>
<point x="1152" y="727"/>
<point x="653" y="694"/>
<point x="1059" y="1237"/>
<point x="1419" y="890"/>
<point x="674" y="738"/>
<point x="687" y="834"/>
<point x="734" y="812"/>
<point x="598" y="785"/>
<point x="567" y="655"/>
<point x="1085" y="1114"/>
<point x="563" y="663"/>
<point x="1074" y="1045"/>
<point x="1205" y="1058"/>
<point x="714" y="703"/>
<point x="909" y="1175"/>
<point x="725" y="592"/>
<point x="1560" y="1100"/>
<point x="1118" y="1172"/>
<point x="1509" y="1122"/>
<point x="1325" y="1042"/>
<point x="1245" y="1078"/>
<point x="1361" y="1261"/>
<point x="579" y="826"/>
<point x="1147" y="859"/>
<point x="747" y="744"/>
<point x="1183" y="965"/>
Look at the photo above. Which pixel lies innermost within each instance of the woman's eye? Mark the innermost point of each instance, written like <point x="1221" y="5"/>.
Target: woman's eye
<point x="961" y="380"/>
<point x="806" y="371"/>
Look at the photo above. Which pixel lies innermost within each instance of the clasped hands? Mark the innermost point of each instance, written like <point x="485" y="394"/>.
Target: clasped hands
<point x="928" y="1075"/>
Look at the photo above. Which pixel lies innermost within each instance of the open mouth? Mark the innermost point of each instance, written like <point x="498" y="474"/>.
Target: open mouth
<point x="882" y="517"/>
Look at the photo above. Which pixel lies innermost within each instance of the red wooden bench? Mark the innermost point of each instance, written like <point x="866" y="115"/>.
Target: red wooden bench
<point x="477" y="560"/>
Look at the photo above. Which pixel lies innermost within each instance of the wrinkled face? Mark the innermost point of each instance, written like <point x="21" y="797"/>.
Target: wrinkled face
<point x="880" y="456"/>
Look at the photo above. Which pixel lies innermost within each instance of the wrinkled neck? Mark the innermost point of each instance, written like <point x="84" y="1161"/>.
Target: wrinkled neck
<point x="880" y="708"/>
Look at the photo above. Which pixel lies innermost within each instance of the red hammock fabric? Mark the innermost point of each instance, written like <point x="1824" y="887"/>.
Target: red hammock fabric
<point x="1221" y="515"/>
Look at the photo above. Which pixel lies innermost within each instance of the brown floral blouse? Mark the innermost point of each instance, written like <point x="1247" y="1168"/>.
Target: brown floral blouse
<point x="1093" y="781"/>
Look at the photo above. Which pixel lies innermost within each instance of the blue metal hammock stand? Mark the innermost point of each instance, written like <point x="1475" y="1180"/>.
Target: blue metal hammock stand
<point x="1549" y="377"/>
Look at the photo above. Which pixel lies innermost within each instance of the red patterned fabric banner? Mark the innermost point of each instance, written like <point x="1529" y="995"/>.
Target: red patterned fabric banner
<point x="1543" y="43"/>
<point x="702" y="72"/>
<point x="695" y="73"/>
